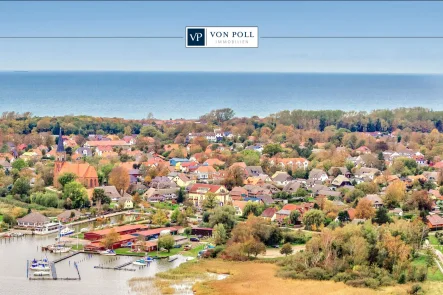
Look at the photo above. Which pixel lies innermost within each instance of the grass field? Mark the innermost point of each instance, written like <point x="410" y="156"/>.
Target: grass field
<point x="79" y="247"/>
<point x="434" y="274"/>
<point x="166" y="206"/>
<point x="434" y="242"/>
<point x="259" y="279"/>
<point x="194" y="251"/>
<point x="1" y="218"/>
<point x="127" y="251"/>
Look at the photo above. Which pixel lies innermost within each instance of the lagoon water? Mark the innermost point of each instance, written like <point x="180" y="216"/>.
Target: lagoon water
<point x="15" y="252"/>
<point x="191" y="94"/>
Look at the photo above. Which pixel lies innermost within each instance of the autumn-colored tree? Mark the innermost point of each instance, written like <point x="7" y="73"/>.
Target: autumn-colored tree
<point x="234" y="177"/>
<point x="119" y="177"/>
<point x="286" y="249"/>
<point x="364" y="209"/>
<point x="395" y="194"/>
<point x="111" y="238"/>
<point x="201" y="141"/>
<point x="166" y="242"/>
<point x="160" y="217"/>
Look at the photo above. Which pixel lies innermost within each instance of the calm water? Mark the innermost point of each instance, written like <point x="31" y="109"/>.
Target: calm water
<point x="13" y="281"/>
<point x="188" y="95"/>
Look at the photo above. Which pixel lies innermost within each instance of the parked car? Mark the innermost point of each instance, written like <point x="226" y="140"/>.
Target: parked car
<point x="276" y="246"/>
<point x="194" y="239"/>
<point x="187" y="247"/>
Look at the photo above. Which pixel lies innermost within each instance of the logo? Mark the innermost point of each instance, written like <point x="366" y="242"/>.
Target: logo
<point x="222" y="37"/>
<point x="195" y="37"/>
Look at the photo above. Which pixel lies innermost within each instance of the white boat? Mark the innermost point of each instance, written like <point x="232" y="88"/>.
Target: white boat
<point x="41" y="273"/>
<point x="84" y="230"/>
<point x="143" y="261"/>
<point x="108" y="252"/>
<point x="39" y="267"/>
<point x="66" y="232"/>
<point x="43" y="261"/>
<point x="61" y="250"/>
<point x="48" y="228"/>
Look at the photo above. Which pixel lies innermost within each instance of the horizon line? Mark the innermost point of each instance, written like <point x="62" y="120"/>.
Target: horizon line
<point x="221" y="71"/>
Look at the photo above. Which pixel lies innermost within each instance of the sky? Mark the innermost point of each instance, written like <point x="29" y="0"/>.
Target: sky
<point x="273" y="18"/>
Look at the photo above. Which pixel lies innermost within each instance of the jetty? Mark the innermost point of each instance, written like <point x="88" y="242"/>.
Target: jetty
<point x="66" y="257"/>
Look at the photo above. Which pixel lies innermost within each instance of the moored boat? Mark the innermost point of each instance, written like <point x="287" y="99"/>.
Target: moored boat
<point x="108" y="252"/>
<point x="39" y="267"/>
<point x="66" y="232"/>
<point x="61" y="250"/>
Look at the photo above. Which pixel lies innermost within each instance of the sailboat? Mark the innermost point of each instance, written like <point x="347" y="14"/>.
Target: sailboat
<point x="66" y="232"/>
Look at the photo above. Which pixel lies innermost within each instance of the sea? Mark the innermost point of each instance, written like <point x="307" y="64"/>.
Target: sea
<point x="167" y="95"/>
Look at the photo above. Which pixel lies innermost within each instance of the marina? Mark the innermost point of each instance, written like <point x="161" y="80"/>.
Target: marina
<point x="78" y="271"/>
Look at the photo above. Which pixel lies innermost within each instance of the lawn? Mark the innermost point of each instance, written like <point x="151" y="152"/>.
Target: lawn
<point x="79" y="247"/>
<point x="127" y="251"/>
<point x="174" y="251"/>
<point x="434" y="274"/>
<point x="194" y="251"/>
<point x="434" y="242"/>
<point x="79" y="235"/>
<point x="1" y="218"/>
<point x="166" y="206"/>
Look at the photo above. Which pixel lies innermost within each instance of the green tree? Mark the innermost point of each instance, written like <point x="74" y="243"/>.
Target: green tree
<point x="343" y="216"/>
<point x="286" y="249"/>
<point x="252" y="208"/>
<point x="313" y="219"/>
<point x="181" y="195"/>
<point x="219" y="234"/>
<point x="66" y="178"/>
<point x="381" y="216"/>
<point x="272" y="149"/>
<point x="19" y="164"/>
<point x="250" y="157"/>
<point x="293" y="217"/>
<point x="21" y="187"/>
<point x="224" y="215"/>
<point x="174" y="215"/>
<point x="167" y="242"/>
<point x="75" y="194"/>
<point x="210" y="201"/>
<point x="99" y="197"/>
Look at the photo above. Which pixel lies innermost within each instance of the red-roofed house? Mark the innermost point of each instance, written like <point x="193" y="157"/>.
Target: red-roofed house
<point x="434" y="222"/>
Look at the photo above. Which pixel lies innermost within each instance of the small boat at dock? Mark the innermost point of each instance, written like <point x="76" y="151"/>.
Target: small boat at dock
<point x="143" y="261"/>
<point x="66" y="232"/>
<point x="172" y="258"/>
<point x="108" y="252"/>
<point x="61" y="250"/>
<point x="39" y="267"/>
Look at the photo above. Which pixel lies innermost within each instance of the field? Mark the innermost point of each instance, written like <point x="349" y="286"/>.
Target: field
<point x="259" y="278"/>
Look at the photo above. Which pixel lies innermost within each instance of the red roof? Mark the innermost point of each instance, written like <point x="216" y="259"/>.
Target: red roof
<point x="212" y="187"/>
<point x="269" y="212"/>
<point x="119" y="229"/>
<point x="435" y="220"/>
<point x="155" y="231"/>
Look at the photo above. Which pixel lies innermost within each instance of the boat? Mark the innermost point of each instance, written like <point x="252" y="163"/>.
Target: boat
<point x="84" y="230"/>
<point x="108" y="252"/>
<point x="48" y="228"/>
<point x="66" y="232"/>
<point x="172" y="258"/>
<point x="143" y="261"/>
<point x="61" y="250"/>
<point x="41" y="273"/>
<point x="43" y="261"/>
<point x="39" y="267"/>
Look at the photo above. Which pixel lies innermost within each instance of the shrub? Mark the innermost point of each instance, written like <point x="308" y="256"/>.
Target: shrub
<point x="372" y="283"/>
<point x="402" y="279"/>
<point x="318" y="273"/>
<point x="415" y="290"/>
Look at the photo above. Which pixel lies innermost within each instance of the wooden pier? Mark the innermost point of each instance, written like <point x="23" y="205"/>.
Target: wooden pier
<point x="123" y="265"/>
<point x="66" y="257"/>
<point x="113" y="268"/>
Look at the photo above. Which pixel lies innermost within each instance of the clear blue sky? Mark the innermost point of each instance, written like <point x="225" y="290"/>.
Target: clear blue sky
<point x="273" y="19"/>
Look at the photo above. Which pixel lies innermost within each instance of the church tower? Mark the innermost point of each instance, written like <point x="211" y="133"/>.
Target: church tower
<point x="60" y="158"/>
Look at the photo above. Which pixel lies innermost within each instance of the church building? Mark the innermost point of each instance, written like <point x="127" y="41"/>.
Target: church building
<point x="86" y="174"/>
